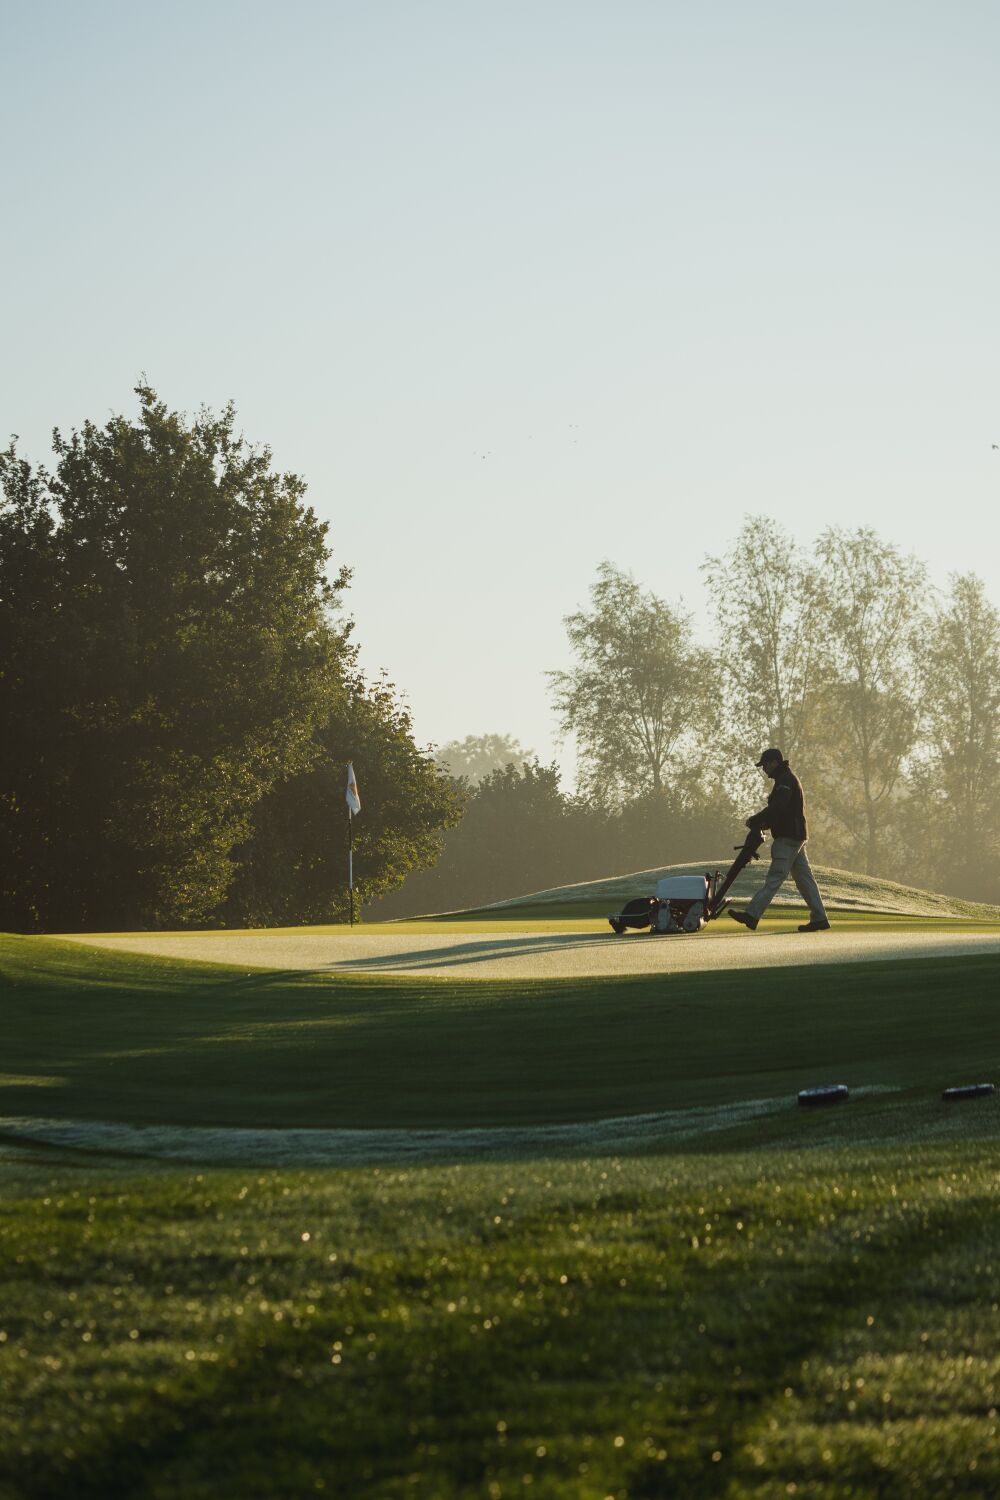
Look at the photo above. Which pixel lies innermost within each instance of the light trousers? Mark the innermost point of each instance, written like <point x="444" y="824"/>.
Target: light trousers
<point x="788" y="857"/>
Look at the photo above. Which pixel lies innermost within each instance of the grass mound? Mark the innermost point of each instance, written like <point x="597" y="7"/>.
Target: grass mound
<point x="843" y="890"/>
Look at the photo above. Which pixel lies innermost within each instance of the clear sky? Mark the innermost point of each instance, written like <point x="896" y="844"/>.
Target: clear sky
<point x="520" y="286"/>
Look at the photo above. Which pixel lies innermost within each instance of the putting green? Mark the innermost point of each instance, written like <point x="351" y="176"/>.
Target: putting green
<point x="564" y="950"/>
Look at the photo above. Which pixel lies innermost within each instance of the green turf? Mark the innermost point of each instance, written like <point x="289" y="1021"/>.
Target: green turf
<point x="801" y="1304"/>
<point x="106" y="1036"/>
<point x="729" y="1325"/>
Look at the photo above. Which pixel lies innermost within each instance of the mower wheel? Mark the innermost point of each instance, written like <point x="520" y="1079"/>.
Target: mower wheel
<point x="831" y="1093"/>
<point x="616" y="926"/>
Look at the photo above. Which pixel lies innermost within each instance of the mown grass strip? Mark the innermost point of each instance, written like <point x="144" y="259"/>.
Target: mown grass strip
<point x="115" y="1037"/>
<point x="580" y="916"/>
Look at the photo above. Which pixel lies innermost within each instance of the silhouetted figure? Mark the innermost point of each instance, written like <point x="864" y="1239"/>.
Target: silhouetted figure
<point x="785" y="816"/>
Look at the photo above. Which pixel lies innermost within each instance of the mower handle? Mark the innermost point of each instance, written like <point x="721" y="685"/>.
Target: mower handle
<point x="745" y="852"/>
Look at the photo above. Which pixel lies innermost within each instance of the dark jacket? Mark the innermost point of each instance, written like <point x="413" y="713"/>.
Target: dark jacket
<point x="785" y="813"/>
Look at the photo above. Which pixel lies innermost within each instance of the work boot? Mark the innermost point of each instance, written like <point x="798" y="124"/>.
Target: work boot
<point x="815" y="924"/>
<point x="745" y="919"/>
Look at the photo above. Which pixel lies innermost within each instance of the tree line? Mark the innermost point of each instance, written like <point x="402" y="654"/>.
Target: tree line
<point x="883" y="692"/>
<point x="181" y="692"/>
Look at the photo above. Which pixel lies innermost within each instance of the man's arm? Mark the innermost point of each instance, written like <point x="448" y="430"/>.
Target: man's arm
<point x="778" y="798"/>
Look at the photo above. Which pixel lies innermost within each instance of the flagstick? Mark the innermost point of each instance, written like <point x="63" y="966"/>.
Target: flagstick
<point x="350" y="859"/>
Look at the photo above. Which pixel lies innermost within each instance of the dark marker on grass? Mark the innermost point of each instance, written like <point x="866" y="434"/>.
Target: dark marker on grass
<point x="831" y="1093"/>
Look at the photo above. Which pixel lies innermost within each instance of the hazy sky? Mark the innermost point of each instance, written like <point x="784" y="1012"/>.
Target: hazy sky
<point x="520" y="286"/>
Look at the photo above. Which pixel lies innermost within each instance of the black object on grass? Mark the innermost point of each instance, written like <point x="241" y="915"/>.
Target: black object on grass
<point x="830" y="1093"/>
<point x="638" y="913"/>
<point x="969" y="1091"/>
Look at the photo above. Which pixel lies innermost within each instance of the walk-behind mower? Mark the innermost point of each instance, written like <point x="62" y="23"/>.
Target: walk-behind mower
<point x="684" y="903"/>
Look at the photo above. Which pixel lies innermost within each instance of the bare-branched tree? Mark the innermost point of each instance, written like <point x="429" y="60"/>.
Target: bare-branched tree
<point x="763" y="598"/>
<point x="641" y="695"/>
<point x="870" y="600"/>
<point x="955" y="782"/>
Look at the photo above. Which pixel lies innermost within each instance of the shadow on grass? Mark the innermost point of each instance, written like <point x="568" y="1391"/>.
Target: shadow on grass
<point x="471" y="953"/>
<point x="160" y="1043"/>
<point x="696" y="1368"/>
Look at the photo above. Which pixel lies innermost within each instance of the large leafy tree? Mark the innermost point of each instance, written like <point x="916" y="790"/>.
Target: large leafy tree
<point x="167" y="647"/>
<point x="640" y="696"/>
<point x="173" y="671"/>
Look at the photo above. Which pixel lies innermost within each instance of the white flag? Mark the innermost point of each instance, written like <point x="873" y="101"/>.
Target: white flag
<point x="353" y="800"/>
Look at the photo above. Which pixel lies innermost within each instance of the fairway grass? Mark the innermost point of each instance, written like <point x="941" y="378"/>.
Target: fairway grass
<point x="749" y="1303"/>
<point x="739" y="1324"/>
<point x="104" y="1036"/>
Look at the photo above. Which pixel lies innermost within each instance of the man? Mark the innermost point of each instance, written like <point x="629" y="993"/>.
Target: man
<point x="785" y="816"/>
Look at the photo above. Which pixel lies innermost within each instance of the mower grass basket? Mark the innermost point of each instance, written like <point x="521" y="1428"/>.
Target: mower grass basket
<point x="684" y="903"/>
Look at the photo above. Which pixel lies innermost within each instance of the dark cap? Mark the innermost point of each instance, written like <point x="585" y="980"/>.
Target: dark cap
<point x="772" y="754"/>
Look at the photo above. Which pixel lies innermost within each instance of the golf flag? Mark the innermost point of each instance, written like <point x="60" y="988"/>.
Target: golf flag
<point x="353" y="800"/>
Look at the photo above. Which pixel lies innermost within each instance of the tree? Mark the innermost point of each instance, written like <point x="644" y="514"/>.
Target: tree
<point x="763" y="598"/>
<point x="641" y="694"/>
<point x="869" y="601"/>
<point x="519" y="833"/>
<point x="522" y="833"/>
<point x="167" y="649"/>
<point x="663" y="829"/>
<point x="172" y="672"/>
<point x="955" y="782"/>
<point x="479" y="755"/>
